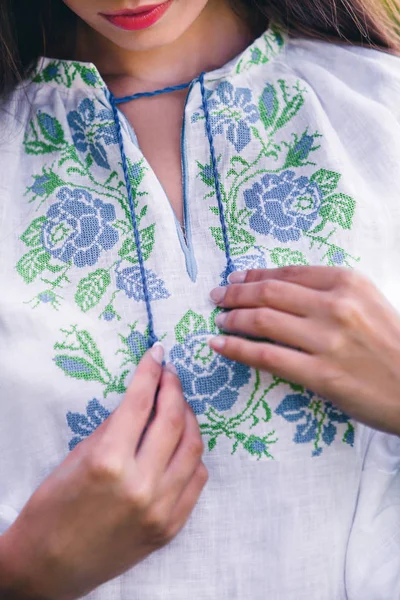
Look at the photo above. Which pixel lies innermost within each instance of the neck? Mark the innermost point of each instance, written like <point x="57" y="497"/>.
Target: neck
<point x="217" y="36"/>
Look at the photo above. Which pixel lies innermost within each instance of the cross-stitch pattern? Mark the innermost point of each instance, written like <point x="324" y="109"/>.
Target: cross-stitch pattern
<point x="64" y="73"/>
<point x="82" y="236"/>
<point x="316" y="420"/>
<point x="279" y="203"/>
<point x="82" y="223"/>
<point x="212" y="384"/>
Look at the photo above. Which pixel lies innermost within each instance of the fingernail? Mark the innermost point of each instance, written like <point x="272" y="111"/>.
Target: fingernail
<point x="218" y="294"/>
<point x="217" y="342"/>
<point x="237" y="277"/>
<point x="220" y="319"/>
<point x="171" y="368"/>
<point x="157" y="352"/>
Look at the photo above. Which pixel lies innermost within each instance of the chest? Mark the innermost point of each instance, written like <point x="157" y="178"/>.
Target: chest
<point x="81" y="298"/>
<point x="158" y="124"/>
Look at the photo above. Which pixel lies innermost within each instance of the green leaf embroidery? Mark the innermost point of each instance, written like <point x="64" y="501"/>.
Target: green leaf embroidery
<point x="290" y="110"/>
<point x="241" y="241"/>
<point x="191" y="323"/>
<point x="91" y="289"/>
<point x="339" y="209"/>
<point x="51" y="129"/>
<point x="283" y="257"/>
<point x="212" y="443"/>
<point x="78" y="368"/>
<point x="37" y="148"/>
<point x="89" y="347"/>
<point x="267" y="410"/>
<point x="32" y="236"/>
<point x="33" y="264"/>
<point x="240" y="159"/>
<point x="128" y="250"/>
<point x="327" y="180"/>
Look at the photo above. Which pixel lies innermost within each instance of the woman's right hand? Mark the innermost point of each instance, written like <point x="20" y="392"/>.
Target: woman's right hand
<point x="114" y="500"/>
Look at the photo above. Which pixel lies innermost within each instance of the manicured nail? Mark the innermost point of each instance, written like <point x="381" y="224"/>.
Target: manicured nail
<point x="157" y="352"/>
<point x="237" y="277"/>
<point x="218" y="294"/>
<point x="171" y="368"/>
<point x="217" y="342"/>
<point x="220" y="320"/>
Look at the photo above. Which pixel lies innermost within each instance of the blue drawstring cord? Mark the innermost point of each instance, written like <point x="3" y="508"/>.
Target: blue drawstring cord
<point x="114" y="104"/>
<point x="174" y="88"/>
<point x="152" y="335"/>
<point x="229" y="262"/>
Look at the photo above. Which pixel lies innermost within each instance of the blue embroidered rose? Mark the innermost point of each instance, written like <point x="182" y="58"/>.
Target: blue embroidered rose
<point x="207" y="378"/>
<point x="129" y="279"/>
<point x="232" y="110"/>
<point x="84" y="425"/>
<point x="91" y="130"/>
<point x="284" y="206"/>
<point x="244" y="263"/>
<point x="78" y="227"/>
<point x="316" y="420"/>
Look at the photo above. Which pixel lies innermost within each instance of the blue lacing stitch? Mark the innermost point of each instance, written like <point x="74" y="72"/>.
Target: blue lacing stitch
<point x="229" y="261"/>
<point x="152" y="336"/>
<point x="174" y="88"/>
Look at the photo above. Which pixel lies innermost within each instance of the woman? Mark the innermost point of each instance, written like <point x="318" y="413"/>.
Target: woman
<point x="267" y="177"/>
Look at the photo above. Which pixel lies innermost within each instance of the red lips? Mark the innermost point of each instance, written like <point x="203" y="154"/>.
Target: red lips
<point x="141" y="17"/>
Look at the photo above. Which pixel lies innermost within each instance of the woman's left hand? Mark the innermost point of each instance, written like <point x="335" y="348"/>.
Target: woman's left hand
<point x="341" y="336"/>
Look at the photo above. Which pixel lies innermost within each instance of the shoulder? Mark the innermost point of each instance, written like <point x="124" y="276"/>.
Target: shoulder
<point x="344" y="73"/>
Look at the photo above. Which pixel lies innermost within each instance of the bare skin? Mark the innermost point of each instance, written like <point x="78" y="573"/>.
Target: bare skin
<point x="211" y="40"/>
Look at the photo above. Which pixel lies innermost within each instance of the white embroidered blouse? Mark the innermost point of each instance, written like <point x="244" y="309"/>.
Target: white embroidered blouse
<point x="302" y="502"/>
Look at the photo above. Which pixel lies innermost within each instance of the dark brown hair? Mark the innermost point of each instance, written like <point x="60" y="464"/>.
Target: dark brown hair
<point x="31" y="28"/>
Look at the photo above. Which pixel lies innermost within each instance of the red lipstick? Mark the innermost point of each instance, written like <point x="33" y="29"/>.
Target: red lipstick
<point x="139" y="18"/>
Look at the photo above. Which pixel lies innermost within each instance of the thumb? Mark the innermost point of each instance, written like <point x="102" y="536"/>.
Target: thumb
<point x="128" y="421"/>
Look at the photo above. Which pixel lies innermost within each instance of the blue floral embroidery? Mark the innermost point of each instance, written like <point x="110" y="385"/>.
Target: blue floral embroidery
<point x="130" y="281"/>
<point x="316" y="420"/>
<point x="78" y="227"/>
<point x="207" y="378"/>
<point x="284" y="206"/>
<point x="85" y="425"/>
<point x="40" y="187"/>
<point x="91" y="130"/>
<point x="338" y="257"/>
<point x="232" y="109"/>
<point x="138" y="344"/>
<point x="244" y="263"/>
<point x="109" y="315"/>
<point x="303" y="147"/>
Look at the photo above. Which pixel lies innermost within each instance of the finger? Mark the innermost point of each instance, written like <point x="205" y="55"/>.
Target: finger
<point x="281" y="295"/>
<point x="272" y="325"/>
<point x="189" y="498"/>
<point x="287" y="363"/>
<point x="186" y="459"/>
<point x="167" y="428"/>
<point x="317" y="278"/>
<point x="128" y="421"/>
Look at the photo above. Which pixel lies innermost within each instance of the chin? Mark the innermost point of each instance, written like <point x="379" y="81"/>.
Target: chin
<point x="179" y="19"/>
<point x="141" y="41"/>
